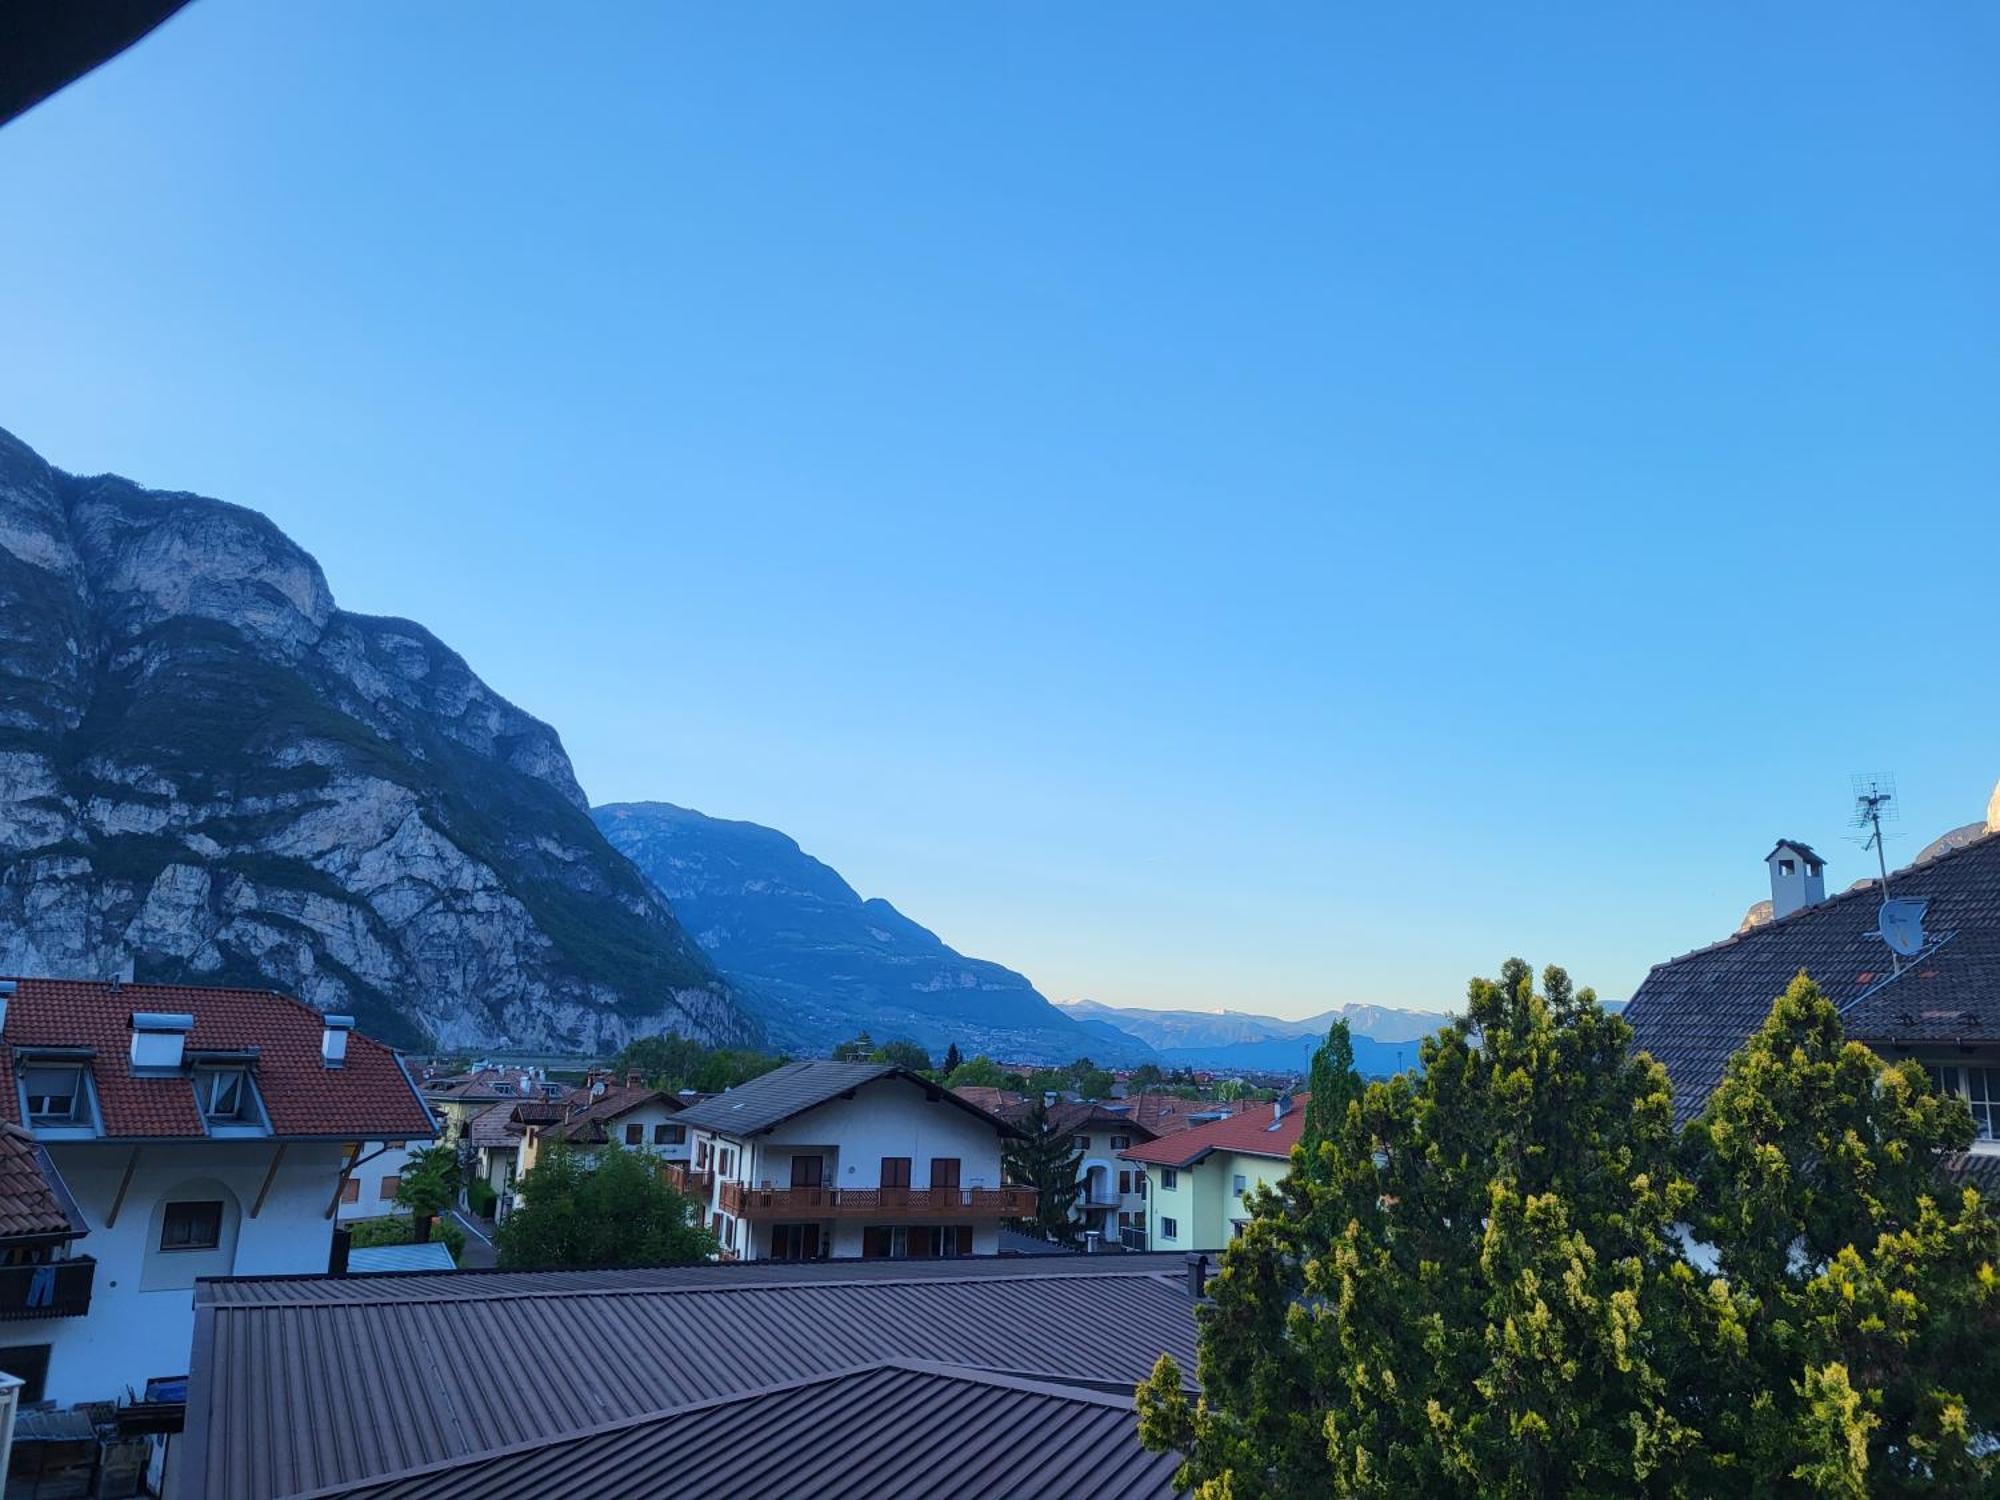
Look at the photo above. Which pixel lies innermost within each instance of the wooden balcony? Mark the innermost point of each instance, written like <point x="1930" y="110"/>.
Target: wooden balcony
<point x="694" y="1185"/>
<point x="877" y="1203"/>
<point x="59" y="1289"/>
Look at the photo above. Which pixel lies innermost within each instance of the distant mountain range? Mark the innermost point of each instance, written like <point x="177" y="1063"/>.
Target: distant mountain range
<point x="818" y="963"/>
<point x="1384" y="1038"/>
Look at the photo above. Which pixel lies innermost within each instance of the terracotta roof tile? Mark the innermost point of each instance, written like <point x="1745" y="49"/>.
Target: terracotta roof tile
<point x="369" y="1097"/>
<point x="33" y="1201"/>
<point x="1251" y="1133"/>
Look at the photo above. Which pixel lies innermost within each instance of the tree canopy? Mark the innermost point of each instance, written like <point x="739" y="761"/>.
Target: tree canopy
<point x="1047" y="1159"/>
<point x="904" y="1053"/>
<point x="979" y="1072"/>
<point x="1479" y="1281"/>
<point x="427" y="1186"/>
<point x="606" y="1208"/>
<point x="675" y="1062"/>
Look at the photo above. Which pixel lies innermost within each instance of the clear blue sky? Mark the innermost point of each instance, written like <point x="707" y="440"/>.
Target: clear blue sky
<point x="1208" y="505"/>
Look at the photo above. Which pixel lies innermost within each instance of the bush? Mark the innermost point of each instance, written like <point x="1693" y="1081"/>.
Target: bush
<point x="366" y="1234"/>
<point x="481" y="1198"/>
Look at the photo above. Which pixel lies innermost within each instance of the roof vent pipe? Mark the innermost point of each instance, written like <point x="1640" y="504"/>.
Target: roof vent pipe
<point x="159" y="1039"/>
<point x="333" y="1040"/>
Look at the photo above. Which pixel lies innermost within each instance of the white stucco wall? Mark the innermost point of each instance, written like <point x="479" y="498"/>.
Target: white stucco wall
<point x="888" y="1118"/>
<point x="141" y="1318"/>
<point x="369" y="1203"/>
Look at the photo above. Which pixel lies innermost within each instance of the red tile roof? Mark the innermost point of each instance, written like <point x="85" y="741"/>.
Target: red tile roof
<point x="368" y="1098"/>
<point x="1164" y="1114"/>
<point x="584" y="1119"/>
<point x="33" y="1203"/>
<point x="1250" y="1134"/>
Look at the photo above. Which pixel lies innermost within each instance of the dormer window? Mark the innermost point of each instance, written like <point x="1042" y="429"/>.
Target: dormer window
<point x="225" y="1095"/>
<point x="53" y="1093"/>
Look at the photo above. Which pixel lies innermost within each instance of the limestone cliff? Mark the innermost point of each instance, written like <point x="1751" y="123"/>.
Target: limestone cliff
<point x="210" y="773"/>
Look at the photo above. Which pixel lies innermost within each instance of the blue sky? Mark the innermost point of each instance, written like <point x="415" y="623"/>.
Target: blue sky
<point x="1208" y="505"/>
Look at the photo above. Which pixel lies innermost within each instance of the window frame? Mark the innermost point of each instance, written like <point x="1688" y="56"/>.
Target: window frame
<point x="167" y="1222"/>
<point x="1170" y="1227"/>
<point x="80" y="1112"/>
<point x="1170" y="1179"/>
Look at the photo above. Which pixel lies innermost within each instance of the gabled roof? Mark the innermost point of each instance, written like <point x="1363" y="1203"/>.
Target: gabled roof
<point x="785" y="1093"/>
<point x="1692" y="1012"/>
<point x="1797" y="848"/>
<point x="1163" y="1114"/>
<point x="584" y="1120"/>
<point x="300" y="1383"/>
<point x="1071" y="1115"/>
<point x="860" y="1431"/>
<point x="34" y="1202"/>
<point x="1252" y="1133"/>
<point x="369" y="1097"/>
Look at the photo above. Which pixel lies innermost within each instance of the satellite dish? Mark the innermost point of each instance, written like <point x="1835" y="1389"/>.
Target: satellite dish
<point x="1902" y="926"/>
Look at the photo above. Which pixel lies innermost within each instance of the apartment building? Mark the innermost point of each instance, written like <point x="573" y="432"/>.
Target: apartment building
<point x="175" y="1133"/>
<point x="1198" y="1180"/>
<point x="607" y="1113"/>
<point x="819" y="1159"/>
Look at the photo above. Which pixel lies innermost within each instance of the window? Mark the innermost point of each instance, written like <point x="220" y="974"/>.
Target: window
<point x="1983" y="1093"/>
<point x="224" y="1094"/>
<point x="1169" y="1179"/>
<point x="350" y="1190"/>
<point x="669" y="1135"/>
<point x="29" y="1364"/>
<point x="391" y="1185"/>
<point x="725" y="1162"/>
<point x="1170" y="1229"/>
<point x="944" y="1173"/>
<point x="1121" y="1142"/>
<point x="54" y="1092"/>
<point x="1124" y="1183"/>
<point x="896" y="1173"/>
<point x="915" y="1241"/>
<point x="1947" y="1080"/>
<point x="795" y="1241"/>
<point x="192" y="1226"/>
<point x="1239" y="1184"/>
<point x="635" y="1134"/>
<point x="1786" y="867"/>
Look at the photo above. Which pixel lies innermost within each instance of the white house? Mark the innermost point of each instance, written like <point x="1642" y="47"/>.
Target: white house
<point x="605" y="1113"/>
<point x="369" y="1190"/>
<point x="191" y="1132"/>
<point x="872" y="1160"/>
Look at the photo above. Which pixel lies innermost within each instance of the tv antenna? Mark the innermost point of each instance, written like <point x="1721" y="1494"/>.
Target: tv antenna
<point x="1874" y="805"/>
<point x="1900" y="924"/>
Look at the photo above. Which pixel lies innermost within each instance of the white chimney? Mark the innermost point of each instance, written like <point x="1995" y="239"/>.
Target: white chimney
<point x="158" y="1039"/>
<point x="6" y="994"/>
<point x="333" y="1040"/>
<point x="1798" y="878"/>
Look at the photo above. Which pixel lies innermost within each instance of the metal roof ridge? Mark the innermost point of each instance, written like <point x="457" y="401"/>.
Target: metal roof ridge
<point x="486" y="1456"/>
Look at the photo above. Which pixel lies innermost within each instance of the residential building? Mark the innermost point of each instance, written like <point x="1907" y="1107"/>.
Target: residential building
<point x="1940" y="1006"/>
<point x="821" y="1159"/>
<point x="957" y="1377"/>
<point x="183" y="1132"/>
<point x="1198" y="1180"/>
<point x="605" y="1113"/>
<point x="1111" y="1194"/>
<point x="369" y="1190"/>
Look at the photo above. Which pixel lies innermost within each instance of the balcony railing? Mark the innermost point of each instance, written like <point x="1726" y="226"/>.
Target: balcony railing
<point x="694" y="1185"/>
<point x="882" y="1203"/>
<point x="59" y="1289"/>
<point x="1132" y="1238"/>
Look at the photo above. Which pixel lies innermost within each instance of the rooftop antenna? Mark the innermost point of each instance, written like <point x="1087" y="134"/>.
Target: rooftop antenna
<point x="1874" y="805"/>
<point x="1901" y="922"/>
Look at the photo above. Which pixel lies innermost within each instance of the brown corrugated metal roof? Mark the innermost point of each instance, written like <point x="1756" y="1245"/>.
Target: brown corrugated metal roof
<point x="863" y="1431"/>
<point x="305" y="1383"/>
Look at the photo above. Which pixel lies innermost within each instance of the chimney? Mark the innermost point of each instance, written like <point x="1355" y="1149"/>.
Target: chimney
<point x="6" y="994"/>
<point x="158" y="1039"/>
<point x="336" y="1258"/>
<point x="333" y="1040"/>
<point x="1197" y="1276"/>
<point x="1798" y="878"/>
<point x="1280" y="1107"/>
<point x="632" y="1079"/>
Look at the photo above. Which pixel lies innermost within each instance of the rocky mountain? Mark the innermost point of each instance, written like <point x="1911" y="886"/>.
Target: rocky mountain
<point x="1221" y="1028"/>
<point x="210" y="773"/>
<point x="826" y="962"/>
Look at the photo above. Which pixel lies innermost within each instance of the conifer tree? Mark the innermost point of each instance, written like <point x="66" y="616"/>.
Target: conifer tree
<point x="1046" y="1158"/>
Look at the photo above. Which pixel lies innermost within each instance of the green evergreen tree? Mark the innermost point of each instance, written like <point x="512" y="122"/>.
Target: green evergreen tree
<point x="1857" y="1348"/>
<point x="1047" y="1159"/>
<point x="1463" y="1299"/>
<point x="952" y="1060"/>
<point x="1332" y="1087"/>
<point x="615" y="1209"/>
